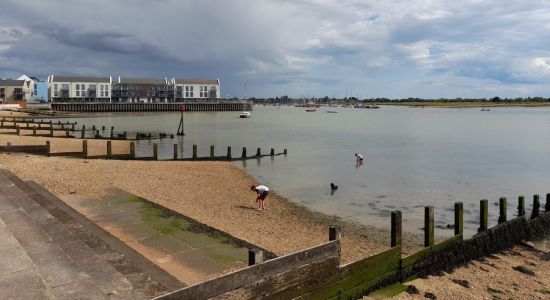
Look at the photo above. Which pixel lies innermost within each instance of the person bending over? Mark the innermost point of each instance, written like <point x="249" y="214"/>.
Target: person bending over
<point x="262" y="192"/>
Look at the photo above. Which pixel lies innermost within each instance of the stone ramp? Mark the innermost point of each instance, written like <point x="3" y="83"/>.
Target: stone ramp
<point x="49" y="252"/>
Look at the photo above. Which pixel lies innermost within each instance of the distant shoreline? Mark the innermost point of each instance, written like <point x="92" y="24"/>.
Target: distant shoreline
<point x="467" y="104"/>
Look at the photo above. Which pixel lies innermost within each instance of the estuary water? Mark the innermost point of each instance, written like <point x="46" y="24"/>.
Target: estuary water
<point x="413" y="156"/>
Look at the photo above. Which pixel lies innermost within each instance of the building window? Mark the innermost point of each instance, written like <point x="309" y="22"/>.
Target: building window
<point x="78" y="93"/>
<point x="78" y="86"/>
<point x="106" y="93"/>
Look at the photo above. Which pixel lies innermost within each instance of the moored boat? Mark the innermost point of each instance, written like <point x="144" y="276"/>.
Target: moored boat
<point x="311" y="110"/>
<point x="245" y="114"/>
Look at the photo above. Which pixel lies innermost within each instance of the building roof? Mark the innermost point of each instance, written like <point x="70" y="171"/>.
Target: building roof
<point x="196" y="81"/>
<point x="80" y="79"/>
<point x="11" y="82"/>
<point x="143" y="80"/>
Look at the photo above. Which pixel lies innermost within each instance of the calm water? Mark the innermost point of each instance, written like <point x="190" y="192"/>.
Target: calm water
<point x="413" y="157"/>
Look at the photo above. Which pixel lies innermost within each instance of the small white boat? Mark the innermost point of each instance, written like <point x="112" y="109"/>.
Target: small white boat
<point x="245" y="114"/>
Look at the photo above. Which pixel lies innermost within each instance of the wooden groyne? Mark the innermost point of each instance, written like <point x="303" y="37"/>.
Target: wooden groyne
<point x="316" y="273"/>
<point x="129" y="107"/>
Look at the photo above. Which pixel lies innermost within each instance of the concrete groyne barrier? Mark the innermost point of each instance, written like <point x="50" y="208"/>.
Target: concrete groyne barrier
<point x="316" y="273"/>
<point x="136" y="107"/>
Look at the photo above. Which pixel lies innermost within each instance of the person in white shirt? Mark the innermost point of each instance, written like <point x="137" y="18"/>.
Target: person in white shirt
<point x="359" y="157"/>
<point x="262" y="192"/>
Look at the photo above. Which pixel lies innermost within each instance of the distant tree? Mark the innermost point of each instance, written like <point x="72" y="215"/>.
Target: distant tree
<point x="495" y="99"/>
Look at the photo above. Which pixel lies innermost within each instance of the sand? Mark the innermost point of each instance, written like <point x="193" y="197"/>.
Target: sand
<point x="495" y="277"/>
<point x="214" y="193"/>
<point x="10" y="113"/>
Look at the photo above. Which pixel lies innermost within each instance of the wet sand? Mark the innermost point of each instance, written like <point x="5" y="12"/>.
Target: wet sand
<point x="519" y="273"/>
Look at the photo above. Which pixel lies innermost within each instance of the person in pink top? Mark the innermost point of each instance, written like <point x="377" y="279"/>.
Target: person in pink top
<point x="262" y="192"/>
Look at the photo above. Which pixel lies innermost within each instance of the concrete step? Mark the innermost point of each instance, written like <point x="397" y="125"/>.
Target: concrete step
<point x="72" y="257"/>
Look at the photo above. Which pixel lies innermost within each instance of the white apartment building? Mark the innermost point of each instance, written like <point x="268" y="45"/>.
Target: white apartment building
<point x="79" y="89"/>
<point x="196" y="90"/>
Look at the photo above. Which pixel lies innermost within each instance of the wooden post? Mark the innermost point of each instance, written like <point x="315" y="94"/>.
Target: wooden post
<point x="212" y="151"/>
<point x="103" y="128"/>
<point x="459" y="218"/>
<point x="125" y="135"/>
<point x="259" y="152"/>
<point x="2" y="123"/>
<point x="503" y="207"/>
<point x="112" y="131"/>
<point x="272" y="152"/>
<point x="48" y="148"/>
<point x="93" y="128"/>
<point x="18" y="130"/>
<point x="536" y="206"/>
<point x="83" y="131"/>
<point x="244" y="153"/>
<point x="255" y="256"/>
<point x="109" y="149"/>
<point x="34" y="130"/>
<point x="483" y="215"/>
<point x="521" y="206"/>
<point x="396" y="228"/>
<point x="72" y="127"/>
<point x="155" y="151"/>
<point x="85" y="148"/>
<point x="547" y="205"/>
<point x="51" y="131"/>
<point x="67" y="132"/>
<point x="175" y="151"/>
<point x="149" y="136"/>
<point x="39" y="125"/>
<point x="194" y="151"/>
<point x="334" y="233"/>
<point x="8" y="145"/>
<point x="228" y="152"/>
<point x="62" y="126"/>
<point x="28" y="125"/>
<point x="285" y="152"/>
<point x="132" y="150"/>
<point x="428" y="226"/>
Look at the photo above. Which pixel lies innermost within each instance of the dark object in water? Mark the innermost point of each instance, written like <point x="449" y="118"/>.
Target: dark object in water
<point x="171" y="136"/>
<point x="333" y="186"/>
<point x="162" y="135"/>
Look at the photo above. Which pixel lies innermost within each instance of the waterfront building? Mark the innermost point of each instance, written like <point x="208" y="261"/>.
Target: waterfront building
<point x="196" y="90"/>
<point x="142" y="90"/>
<point x="14" y="91"/>
<point x="79" y="89"/>
<point x="39" y="87"/>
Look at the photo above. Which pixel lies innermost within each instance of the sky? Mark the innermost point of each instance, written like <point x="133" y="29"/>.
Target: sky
<point x="299" y="48"/>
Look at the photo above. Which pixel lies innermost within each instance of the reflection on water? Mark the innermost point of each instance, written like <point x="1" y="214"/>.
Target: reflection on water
<point x="413" y="157"/>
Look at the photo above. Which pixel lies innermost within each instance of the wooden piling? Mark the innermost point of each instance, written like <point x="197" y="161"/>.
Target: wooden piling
<point x="483" y="215"/>
<point x="112" y="131"/>
<point x="175" y="151"/>
<point x="272" y="152"/>
<point x="48" y="148"/>
<point x="34" y="130"/>
<point x="259" y="152"/>
<point x="211" y="151"/>
<point x="125" y="135"/>
<point x="155" y="151"/>
<point x="83" y="131"/>
<point x="459" y="218"/>
<point x="228" y="152"/>
<point x="85" y="148"/>
<point x="244" y="153"/>
<point x="536" y="206"/>
<point x="109" y="149"/>
<point x="396" y="228"/>
<point x="521" y="206"/>
<point x="255" y="256"/>
<point x="132" y="150"/>
<point x="547" y="204"/>
<point x="73" y="127"/>
<point x="334" y="233"/>
<point x="194" y="151"/>
<point x="67" y="132"/>
<point x="51" y="131"/>
<point x="428" y="226"/>
<point x="503" y="207"/>
<point x="103" y="128"/>
<point x="93" y="128"/>
<point x="18" y="130"/>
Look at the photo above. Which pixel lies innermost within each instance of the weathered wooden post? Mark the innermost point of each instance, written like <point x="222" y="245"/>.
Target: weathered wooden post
<point x="285" y="152"/>
<point x="334" y="233"/>
<point x="503" y="207"/>
<point x="428" y="226"/>
<point x="259" y="152"/>
<point x="93" y="128"/>
<point x="243" y="156"/>
<point x="2" y="123"/>
<point x="255" y="256"/>
<point x="132" y="150"/>
<point x="149" y="136"/>
<point x="194" y="151"/>
<point x="85" y="148"/>
<point x="459" y="218"/>
<point x="48" y="148"/>
<point x="125" y="135"/>
<point x="396" y="228"/>
<point x="39" y="125"/>
<point x="228" y="152"/>
<point x="155" y="151"/>
<point x="547" y="205"/>
<point x="211" y="151"/>
<point x="28" y="125"/>
<point x="83" y="131"/>
<point x="51" y="131"/>
<point x="103" y="128"/>
<point x="112" y="131"/>
<point x="62" y="126"/>
<point x="521" y="206"/>
<point x="109" y="149"/>
<point x="536" y="206"/>
<point x="272" y="152"/>
<point x="175" y="151"/>
<point x="67" y="132"/>
<point x="483" y="215"/>
<point x="73" y="126"/>
<point x="34" y="130"/>
<point x="18" y="130"/>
